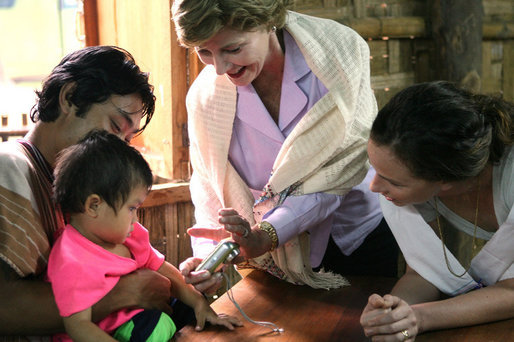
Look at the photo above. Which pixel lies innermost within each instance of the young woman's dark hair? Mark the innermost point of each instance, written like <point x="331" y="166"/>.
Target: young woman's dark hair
<point x="443" y="133"/>
<point x="101" y="164"/>
<point x="97" y="73"/>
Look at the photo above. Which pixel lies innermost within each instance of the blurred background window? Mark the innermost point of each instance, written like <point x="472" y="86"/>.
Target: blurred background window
<point x="36" y="34"/>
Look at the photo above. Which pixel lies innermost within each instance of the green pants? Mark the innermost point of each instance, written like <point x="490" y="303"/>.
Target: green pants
<point x="146" y="326"/>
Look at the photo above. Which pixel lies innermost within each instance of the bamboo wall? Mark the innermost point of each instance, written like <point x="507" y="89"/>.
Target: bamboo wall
<point x="401" y="48"/>
<point x="167" y="212"/>
<point x="498" y="48"/>
<point x="167" y="225"/>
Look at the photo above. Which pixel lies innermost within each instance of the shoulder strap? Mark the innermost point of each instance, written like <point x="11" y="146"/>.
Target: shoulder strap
<point x="41" y="175"/>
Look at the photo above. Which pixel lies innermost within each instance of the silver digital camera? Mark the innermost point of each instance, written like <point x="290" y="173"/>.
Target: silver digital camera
<point x="224" y="252"/>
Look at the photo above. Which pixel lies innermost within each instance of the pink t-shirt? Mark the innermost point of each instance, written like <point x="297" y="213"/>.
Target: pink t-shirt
<point x="82" y="273"/>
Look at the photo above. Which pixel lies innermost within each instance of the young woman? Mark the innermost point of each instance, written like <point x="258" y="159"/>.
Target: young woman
<point x="445" y="169"/>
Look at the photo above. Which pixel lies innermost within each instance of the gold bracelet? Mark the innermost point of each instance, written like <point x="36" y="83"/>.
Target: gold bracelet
<point x="272" y="233"/>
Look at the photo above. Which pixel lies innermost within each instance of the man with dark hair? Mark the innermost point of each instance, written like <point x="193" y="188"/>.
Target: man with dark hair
<point x="97" y="87"/>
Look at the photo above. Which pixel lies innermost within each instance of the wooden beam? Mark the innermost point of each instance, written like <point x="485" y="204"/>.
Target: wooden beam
<point x="167" y="193"/>
<point x="498" y="30"/>
<point x="91" y="22"/>
<point x="179" y="87"/>
<point x="398" y="27"/>
<point x="397" y="80"/>
<point x="401" y="27"/>
<point x="392" y="27"/>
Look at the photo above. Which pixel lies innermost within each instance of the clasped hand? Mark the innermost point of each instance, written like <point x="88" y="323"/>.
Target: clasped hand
<point x="389" y="318"/>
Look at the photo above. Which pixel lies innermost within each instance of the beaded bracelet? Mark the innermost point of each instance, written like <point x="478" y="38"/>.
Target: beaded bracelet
<point x="272" y="233"/>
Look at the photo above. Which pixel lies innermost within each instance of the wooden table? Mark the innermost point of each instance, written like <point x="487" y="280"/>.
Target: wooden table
<point x="306" y="314"/>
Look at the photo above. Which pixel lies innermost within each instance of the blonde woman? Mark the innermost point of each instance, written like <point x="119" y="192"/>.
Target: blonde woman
<point x="278" y="124"/>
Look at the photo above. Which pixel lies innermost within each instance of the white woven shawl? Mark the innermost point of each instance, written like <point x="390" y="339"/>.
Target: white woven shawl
<point x="326" y="152"/>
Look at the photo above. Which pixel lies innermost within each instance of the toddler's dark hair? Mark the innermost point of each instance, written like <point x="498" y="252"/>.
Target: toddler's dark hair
<point x="102" y="164"/>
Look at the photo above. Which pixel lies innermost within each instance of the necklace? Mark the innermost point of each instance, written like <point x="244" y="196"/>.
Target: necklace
<point x="473" y="247"/>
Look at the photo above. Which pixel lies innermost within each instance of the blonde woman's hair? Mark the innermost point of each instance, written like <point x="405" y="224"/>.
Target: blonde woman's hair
<point x="196" y="21"/>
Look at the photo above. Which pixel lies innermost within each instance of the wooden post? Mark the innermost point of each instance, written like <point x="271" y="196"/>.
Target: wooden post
<point x="457" y="32"/>
<point x="91" y="22"/>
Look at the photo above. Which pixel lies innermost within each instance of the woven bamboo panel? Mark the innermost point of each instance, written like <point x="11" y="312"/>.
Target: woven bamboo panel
<point x="498" y="68"/>
<point x="167" y="225"/>
<point x="394" y="65"/>
<point x="401" y="48"/>
<point x="492" y="68"/>
<point x="508" y="70"/>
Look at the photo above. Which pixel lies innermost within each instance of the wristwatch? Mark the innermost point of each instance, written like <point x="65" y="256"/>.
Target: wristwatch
<point x="272" y="233"/>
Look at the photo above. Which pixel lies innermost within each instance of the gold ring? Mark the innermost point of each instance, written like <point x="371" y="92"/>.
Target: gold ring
<point x="405" y="333"/>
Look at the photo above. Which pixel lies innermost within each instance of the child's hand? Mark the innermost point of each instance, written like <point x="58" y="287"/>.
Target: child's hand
<point x="204" y="313"/>
<point x="203" y="281"/>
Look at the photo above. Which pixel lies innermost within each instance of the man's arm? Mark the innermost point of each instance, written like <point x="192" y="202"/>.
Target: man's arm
<point x="143" y="288"/>
<point x="28" y="305"/>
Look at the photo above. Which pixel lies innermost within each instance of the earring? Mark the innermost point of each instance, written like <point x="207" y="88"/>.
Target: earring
<point x="274" y="28"/>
